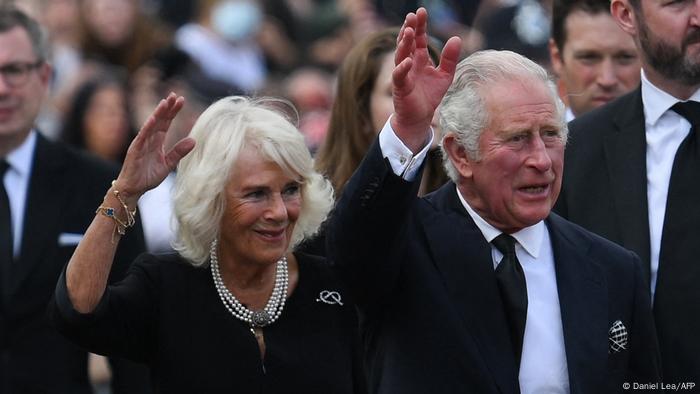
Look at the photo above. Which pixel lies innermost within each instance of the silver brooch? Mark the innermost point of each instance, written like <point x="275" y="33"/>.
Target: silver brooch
<point x="330" y="297"/>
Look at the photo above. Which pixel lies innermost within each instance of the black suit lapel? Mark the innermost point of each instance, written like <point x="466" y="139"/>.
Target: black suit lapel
<point x="625" y="154"/>
<point x="42" y="214"/>
<point x="463" y="257"/>
<point x="583" y="303"/>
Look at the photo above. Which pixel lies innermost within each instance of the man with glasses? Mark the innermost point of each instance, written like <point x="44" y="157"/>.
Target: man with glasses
<point x="47" y="195"/>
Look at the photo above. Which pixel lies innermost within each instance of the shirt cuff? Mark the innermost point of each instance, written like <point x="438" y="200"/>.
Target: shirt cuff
<point x="403" y="162"/>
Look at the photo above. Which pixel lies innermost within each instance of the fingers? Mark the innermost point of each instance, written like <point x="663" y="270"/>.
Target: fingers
<point x="421" y="36"/>
<point x="400" y="75"/>
<point x="405" y="42"/>
<point x="450" y="55"/>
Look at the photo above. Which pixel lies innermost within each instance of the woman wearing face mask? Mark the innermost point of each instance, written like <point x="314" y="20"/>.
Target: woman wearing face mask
<point x="235" y="310"/>
<point x="223" y="41"/>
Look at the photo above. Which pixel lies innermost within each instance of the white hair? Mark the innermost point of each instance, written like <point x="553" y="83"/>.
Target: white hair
<point x="463" y="111"/>
<point x="220" y="133"/>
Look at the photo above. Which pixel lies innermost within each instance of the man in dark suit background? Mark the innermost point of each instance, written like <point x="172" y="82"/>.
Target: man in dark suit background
<point x="477" y="287"/>
<point x="47" y="197"/>
<point x="624" y="169"/>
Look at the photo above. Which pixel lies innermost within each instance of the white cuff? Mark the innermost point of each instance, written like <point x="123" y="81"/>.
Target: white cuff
<point x="404" y="163"/>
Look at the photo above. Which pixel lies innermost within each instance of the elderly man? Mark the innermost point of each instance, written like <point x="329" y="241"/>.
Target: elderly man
<point x="595" y="60"/>
<point x="633" y="167"/>
<point x="47" y="195"/>
<point x="477" y="287"/>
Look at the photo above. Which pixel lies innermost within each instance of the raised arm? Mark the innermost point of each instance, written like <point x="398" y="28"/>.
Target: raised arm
<point x="146" y="164"/>
<point x="418" y="85"/>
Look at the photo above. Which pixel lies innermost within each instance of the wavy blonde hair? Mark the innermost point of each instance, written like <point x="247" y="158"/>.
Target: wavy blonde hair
<point x="221" y="132"/>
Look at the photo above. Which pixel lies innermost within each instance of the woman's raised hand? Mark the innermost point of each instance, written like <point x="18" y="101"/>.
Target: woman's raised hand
<point x="149" y="160"/>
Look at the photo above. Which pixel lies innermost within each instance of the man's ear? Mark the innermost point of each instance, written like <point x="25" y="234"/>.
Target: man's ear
<point x="556" y="58"/>
<point x="458" y="156"/>
<point x="45" y="71"/>
<point x="625" y="15"/>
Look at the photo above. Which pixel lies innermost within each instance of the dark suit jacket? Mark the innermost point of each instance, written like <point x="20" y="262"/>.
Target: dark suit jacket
<point x="64" y="190"/>
<point x="605" y="190"/>
<point x="431" y="314"/>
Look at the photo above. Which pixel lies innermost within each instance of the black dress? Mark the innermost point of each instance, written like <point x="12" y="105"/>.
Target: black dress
<point x="167" y="313"/>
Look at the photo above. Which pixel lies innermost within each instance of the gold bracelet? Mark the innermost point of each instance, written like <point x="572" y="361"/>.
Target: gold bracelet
<point x="119" y="225"/>
<point x="130" y="215"/>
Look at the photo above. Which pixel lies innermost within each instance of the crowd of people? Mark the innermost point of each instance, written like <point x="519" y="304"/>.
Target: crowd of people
<point x="345" y="196"/>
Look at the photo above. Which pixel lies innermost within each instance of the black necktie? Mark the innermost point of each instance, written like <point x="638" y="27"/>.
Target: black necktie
<point x="5" y="232"/>
<point x="676" y="297"/>
<point x="511" y="283"/>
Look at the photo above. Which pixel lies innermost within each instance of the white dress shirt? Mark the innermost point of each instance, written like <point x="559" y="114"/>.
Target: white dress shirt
<point x="17" y="185"/>
<point x="543" y="367"/>
<point x="569" y="115"/>
<point x="665" y="130"/>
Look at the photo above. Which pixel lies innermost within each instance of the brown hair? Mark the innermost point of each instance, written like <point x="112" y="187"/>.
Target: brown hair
<point x="350" y="132"/>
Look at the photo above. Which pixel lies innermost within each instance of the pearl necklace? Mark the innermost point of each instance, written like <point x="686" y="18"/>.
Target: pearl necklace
<point x="275" y="304"/>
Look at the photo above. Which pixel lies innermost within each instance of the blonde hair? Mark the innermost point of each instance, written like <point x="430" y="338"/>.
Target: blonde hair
<point x="221" y="132"/>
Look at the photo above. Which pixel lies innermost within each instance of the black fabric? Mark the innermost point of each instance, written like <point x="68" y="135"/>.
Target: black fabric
<point x="513" y="289"/>
<point x="5" y="235"/>
<point x="679" y="257"/>
<point x="168" y="314"/>
<point x="604" y="189"/>
<point x="64" y="189"/>
<point x="430" y="312"/>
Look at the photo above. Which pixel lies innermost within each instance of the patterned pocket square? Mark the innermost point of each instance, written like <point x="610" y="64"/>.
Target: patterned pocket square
<point x="617" y="337"/>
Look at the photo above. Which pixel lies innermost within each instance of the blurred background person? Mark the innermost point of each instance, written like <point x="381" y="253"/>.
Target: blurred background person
<point x="310" y="89"/>
<point x="362" y="105"/>
<point x="222" y="41"/>
<point x="521" y="26"/>
<point x="45" y="191"/>
<point x="594" y="59"/>
<point x="118" y="33"/>
<point x="99" y="119"/>
<point x="246" y="194"/>
<point x="100" y="122"/>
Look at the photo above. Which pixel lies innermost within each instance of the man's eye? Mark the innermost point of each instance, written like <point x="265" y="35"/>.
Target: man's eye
<point x="12" y="70"/>
<point x="517" y="138"/>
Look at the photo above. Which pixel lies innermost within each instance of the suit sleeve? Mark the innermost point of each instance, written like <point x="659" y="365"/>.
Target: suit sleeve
<point x="367" y="229"/>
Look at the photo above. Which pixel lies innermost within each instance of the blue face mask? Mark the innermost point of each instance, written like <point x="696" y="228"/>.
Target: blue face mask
<point x="236" y="20"/>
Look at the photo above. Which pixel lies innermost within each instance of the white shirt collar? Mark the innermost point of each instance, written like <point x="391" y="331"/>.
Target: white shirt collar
<point x="569" y="115"/>
<point x="20" y="159"/>
<point x="530" y="238"/>
<point x="656" y="102"/>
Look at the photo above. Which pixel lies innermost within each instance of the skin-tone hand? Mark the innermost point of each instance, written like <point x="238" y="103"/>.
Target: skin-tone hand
<point x="148" y="160"/>
<point x="418" y="85"/>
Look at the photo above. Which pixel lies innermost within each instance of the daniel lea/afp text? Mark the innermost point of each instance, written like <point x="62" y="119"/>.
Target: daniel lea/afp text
<point x="659" y="385"/>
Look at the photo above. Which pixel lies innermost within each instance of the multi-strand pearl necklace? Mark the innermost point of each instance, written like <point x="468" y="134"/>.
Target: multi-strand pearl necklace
<point x="275" y="304"/>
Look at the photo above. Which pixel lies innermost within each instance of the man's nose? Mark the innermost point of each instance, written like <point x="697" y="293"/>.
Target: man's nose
<point x="539" y="156"/>
<point x="606" y="74"/>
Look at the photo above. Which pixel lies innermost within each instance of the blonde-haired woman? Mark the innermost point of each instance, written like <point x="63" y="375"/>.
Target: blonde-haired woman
<point x="235" y="309"/>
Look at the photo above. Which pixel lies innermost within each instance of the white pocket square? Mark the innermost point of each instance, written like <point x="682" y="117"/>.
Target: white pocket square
<point x="617" y="337"/>
<point x="69" y="239"/>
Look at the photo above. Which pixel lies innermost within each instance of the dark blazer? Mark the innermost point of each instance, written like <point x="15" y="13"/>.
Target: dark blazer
<point x="430" y="310"/>
<point x="605" y="190"/>
<point x="64" y="190"/>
